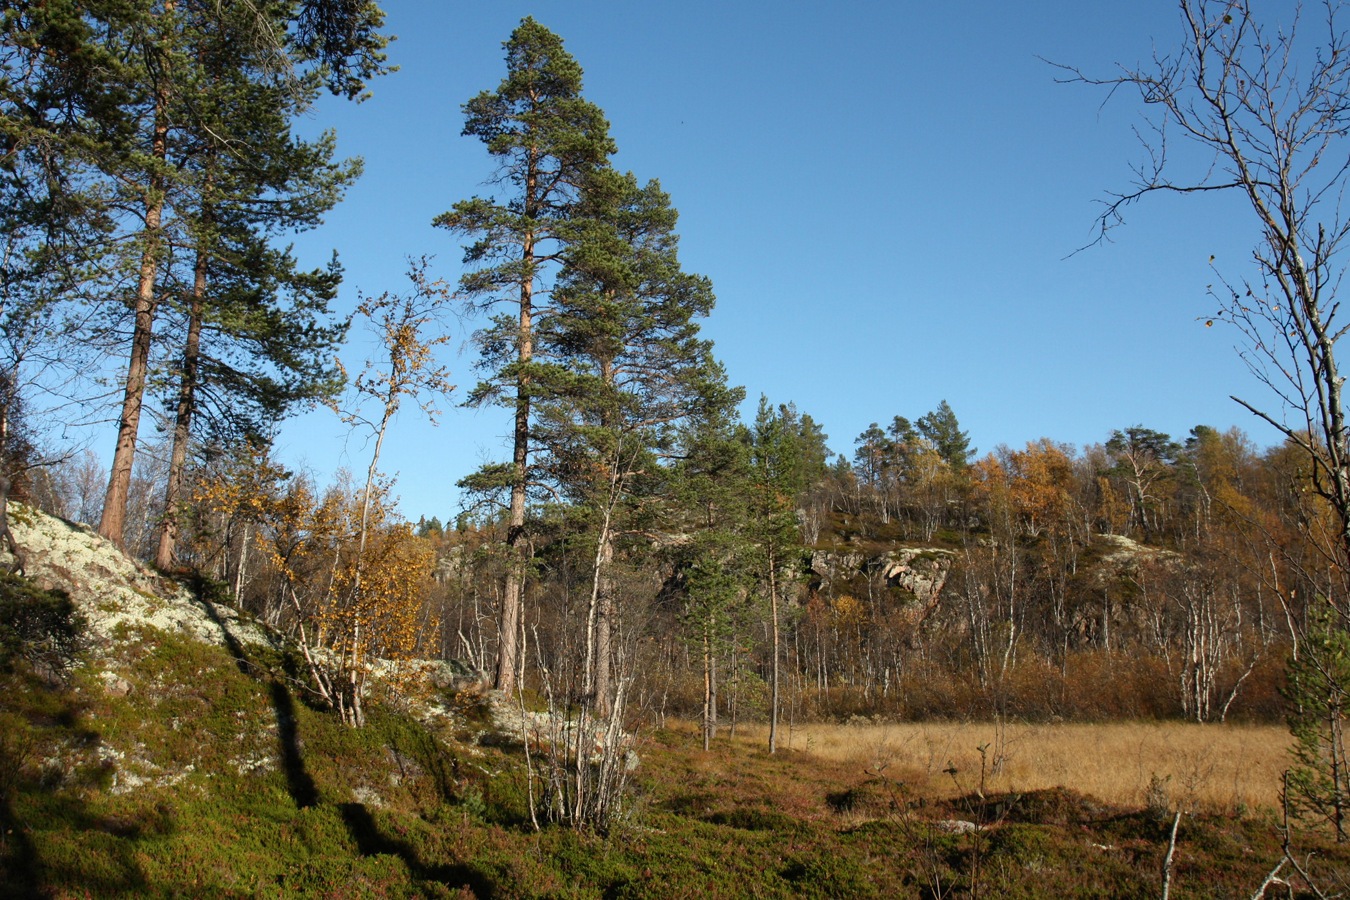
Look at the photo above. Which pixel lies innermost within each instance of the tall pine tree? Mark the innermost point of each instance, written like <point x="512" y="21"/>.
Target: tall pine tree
<point x="548" y="141"/>
<point x="257" y="332"/>
<point x="112" y="131"/>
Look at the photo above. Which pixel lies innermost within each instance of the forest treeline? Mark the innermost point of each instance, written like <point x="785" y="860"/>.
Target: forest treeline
<point x="643" y="546"/>
<point x="1141" y="577"/>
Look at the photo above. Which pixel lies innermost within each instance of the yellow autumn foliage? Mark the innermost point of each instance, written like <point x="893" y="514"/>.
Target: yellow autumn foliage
<point x="358" y="604"/>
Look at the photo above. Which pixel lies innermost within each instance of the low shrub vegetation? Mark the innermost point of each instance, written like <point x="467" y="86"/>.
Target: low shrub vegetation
<point x="151" y="764"/>
<point x="200" y="773"/>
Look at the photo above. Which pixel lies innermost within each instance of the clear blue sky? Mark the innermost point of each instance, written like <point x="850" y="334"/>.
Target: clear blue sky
<point x="886" y="195"/>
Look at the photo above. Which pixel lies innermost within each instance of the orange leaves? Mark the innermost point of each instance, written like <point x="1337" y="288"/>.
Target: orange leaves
<point x="846" y="611"/>
<point x="235" y="494"/>
<point x="1033" y="485"/>
<point x="1042" y="480"/>
<point x="1112" y="509"/>
<point x="387" y="605"/>
<point x="244" y="487"/>
<point x="362" y="604"/>
<point x="356" y="604"/>
<point x="409" y="331"/>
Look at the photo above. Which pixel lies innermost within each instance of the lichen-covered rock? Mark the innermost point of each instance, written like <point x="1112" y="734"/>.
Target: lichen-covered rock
<point x="955" y="826"/>
<point x="447" y="676"/>
<point x="1124" y="555"/>
<point x="119" y="598"/>
<point x="111" y="590"/>
<point x="115" y="685"/>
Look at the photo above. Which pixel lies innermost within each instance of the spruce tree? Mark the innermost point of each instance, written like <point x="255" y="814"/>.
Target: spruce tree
<point x="786" y="458"/>
<point x="1318" y="691"/>
<point x="711" y="486"/>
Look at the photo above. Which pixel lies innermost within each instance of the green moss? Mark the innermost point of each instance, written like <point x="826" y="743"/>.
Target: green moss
<point x="401" y="812"/>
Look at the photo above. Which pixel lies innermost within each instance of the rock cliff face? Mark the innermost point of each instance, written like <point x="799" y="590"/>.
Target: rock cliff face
<point x="920" y="571"/>
<point x="1113" y="576"/>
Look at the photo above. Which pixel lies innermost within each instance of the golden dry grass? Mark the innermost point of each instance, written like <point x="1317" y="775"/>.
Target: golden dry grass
<point x="1214" y="768"/>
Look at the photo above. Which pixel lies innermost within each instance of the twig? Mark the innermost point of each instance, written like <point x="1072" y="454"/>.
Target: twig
<point x="1272" y="878"/>
<point x="1289" y="855"/>
<point x="529" y="763"/>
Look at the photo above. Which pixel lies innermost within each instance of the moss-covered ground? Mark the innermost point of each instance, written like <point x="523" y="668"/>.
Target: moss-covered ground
<point x="170" y="768"/>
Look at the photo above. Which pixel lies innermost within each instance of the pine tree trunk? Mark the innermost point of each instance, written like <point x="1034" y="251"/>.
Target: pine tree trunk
<point x="602" y="601"/>
<point x="600" y="616"/>
<point x="182" y="429"/>
<point x="734" y="685"/>
<point x="5" y="463"/>
<point x="513" y="598"/>
<point x="513" y="595"/>
<point x="112" y="525"/>
<point x="709" y="686"/>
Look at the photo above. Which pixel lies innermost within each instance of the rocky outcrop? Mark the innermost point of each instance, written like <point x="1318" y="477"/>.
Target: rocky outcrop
<point x="111" y="590"/>
<point x="1112" y="574"/>
<point x="919" y="571"/>
<point x="114" y="592"/>
<point x="1123" y="555"/>
<point x="118" y="597"/>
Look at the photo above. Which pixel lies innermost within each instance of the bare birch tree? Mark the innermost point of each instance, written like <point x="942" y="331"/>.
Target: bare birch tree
<point x="1268" y="106"/>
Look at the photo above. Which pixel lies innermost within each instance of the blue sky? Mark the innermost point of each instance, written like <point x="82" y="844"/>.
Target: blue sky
<point x="886" y="196"/>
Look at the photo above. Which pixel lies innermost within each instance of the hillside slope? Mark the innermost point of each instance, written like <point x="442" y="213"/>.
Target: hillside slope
<point x="112" y="591"/>
<point x="181" y="755"/>
<point x="182" y="759"/>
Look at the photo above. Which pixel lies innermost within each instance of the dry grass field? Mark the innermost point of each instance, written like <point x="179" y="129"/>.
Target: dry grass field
<point x="1222" y="769"/>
